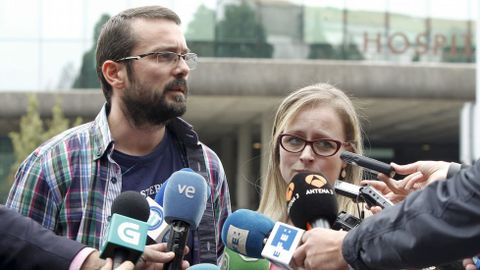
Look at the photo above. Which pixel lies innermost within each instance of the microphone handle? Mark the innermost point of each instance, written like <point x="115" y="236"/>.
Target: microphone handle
<point x="319" y="223"/>
<point x="177" y="241"/>
<point x="119" y="256"/>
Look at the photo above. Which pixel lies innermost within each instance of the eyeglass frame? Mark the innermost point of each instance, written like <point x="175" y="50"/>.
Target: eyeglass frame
<point x="308" y="142"/>
<point x="179" y="55"/>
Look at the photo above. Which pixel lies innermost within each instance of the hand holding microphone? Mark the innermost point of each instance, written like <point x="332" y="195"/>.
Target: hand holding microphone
<point x="127" y="265"/>
<point x="318" y="248"/>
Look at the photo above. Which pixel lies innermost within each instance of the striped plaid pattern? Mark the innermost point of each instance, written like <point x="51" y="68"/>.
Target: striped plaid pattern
<point x="68" y="184"/>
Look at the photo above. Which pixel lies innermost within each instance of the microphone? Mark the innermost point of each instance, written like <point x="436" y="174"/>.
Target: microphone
<point x="476" y="261"/>
<point x="348" y="190"/>
<point x="127" y="230"/>
<point x="204" y="266"/>
<point x="158" y="227"/>
<point x="184" y="202"/>
<point x="161" y="193"/>
<point x="236" y="261"/>
<point x="311" y="202"/>
<point x="255" y="235"/>
<point x="367" y="194"/>
<point x="246" y="232"/>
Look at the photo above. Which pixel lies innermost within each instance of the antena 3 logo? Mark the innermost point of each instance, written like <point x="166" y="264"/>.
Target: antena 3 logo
<point x="315" y="180"/>
<point x="129" y="233"/>
<point x="290" y="189"/>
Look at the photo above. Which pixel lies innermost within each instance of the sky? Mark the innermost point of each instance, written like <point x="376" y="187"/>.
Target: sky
<point x="42" y="39"/>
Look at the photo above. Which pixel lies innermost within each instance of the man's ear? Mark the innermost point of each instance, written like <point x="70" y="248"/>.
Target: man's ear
<point x="115" y="74"/>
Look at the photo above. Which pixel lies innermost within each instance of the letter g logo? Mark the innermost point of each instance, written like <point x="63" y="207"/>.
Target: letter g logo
<point x="129" y="232"/>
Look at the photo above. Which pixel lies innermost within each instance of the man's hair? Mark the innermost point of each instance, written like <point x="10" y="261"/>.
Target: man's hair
<point x="116" y="39"/>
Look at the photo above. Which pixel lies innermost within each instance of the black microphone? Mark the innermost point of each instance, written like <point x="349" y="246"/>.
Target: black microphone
<point x="311" y="202"/>
<point x="127" y="230"/>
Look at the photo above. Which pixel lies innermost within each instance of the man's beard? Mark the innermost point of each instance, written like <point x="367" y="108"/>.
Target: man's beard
<point x="149" y="107"/>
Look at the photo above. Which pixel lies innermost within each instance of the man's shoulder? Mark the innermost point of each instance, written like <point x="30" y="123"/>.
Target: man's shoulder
<point x="75" y="138"/>
<point x="209" y="152"/>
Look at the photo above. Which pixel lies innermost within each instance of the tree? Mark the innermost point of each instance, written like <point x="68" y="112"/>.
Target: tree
<point x="202" y="26"/>
<point x="87" y="78"/>
<point x="34" y="131"/>
<point x="200" y="33"/>
<point x="240" y="34"/>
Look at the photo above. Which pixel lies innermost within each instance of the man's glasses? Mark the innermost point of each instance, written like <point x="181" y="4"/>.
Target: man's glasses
<point x="324" y="147"/>
<point x="169" y="58"/>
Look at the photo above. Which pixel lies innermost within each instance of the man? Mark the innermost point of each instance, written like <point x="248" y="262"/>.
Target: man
<point x="137" y="141"/>
<point x="435" y="225"/>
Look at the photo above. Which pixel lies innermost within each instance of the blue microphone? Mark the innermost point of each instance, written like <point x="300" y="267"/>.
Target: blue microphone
<point x="245" y="232"/>
<point x="184" y="202"/>
<point x="476" y="261"/>
<point x="203" y="266"/>
<point x="127" y="230"/>
<point x="255" y="235"/>
<point x="161" y="191"/>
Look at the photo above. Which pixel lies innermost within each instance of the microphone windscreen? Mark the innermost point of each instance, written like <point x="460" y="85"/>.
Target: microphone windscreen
<point x="310" y="198"/>
<point x="185" y="198"/>
<point x="203" y="266"/>
<point x="131" y="204"/>
<point x="161" y="191"/>
<point x="244" y="232"/>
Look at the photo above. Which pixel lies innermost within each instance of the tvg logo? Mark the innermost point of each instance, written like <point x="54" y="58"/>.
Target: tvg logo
<point x="129" y="232"/>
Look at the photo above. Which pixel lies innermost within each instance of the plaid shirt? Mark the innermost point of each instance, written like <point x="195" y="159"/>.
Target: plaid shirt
<point x="68" y="185"/>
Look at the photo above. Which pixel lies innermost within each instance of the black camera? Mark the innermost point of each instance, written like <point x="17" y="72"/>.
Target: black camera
<point x="345" y="222"/>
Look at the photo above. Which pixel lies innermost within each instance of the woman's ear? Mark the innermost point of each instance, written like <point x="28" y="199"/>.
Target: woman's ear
<point x="115" y="74"/>
<point x="343" y="171"/>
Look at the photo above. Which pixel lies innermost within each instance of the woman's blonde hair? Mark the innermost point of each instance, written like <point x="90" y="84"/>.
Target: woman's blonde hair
<point x="272" y="201"/>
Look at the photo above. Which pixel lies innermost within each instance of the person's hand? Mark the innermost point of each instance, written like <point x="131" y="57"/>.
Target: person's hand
<point x="127" y="265"/>
<point x="469" y="264"/>
<point x="93" y="262"/>
<point x="419" y="174"/>
<point x="321" y="249"/>
<point x="375" y="209"/>
<point x="154" y="256"/>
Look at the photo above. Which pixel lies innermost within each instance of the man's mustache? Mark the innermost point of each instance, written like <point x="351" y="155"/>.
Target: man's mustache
<point x="177" y="84"/>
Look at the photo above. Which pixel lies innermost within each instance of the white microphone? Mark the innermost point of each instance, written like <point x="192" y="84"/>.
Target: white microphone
<point x="157" y="226"/>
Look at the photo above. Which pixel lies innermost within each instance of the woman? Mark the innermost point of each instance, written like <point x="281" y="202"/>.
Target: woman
<point x="312" y="126"/>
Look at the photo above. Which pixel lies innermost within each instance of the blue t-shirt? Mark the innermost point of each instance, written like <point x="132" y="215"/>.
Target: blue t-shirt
<point x="147" y="173"/>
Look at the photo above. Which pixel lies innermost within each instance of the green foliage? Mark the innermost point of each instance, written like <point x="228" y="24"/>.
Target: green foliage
<point x="34" y="131"/>
<point x="202" y="26"/>
<point x="240" y="34"/>
<point x="87" y="78"/>
<point x="200" y="33"/>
